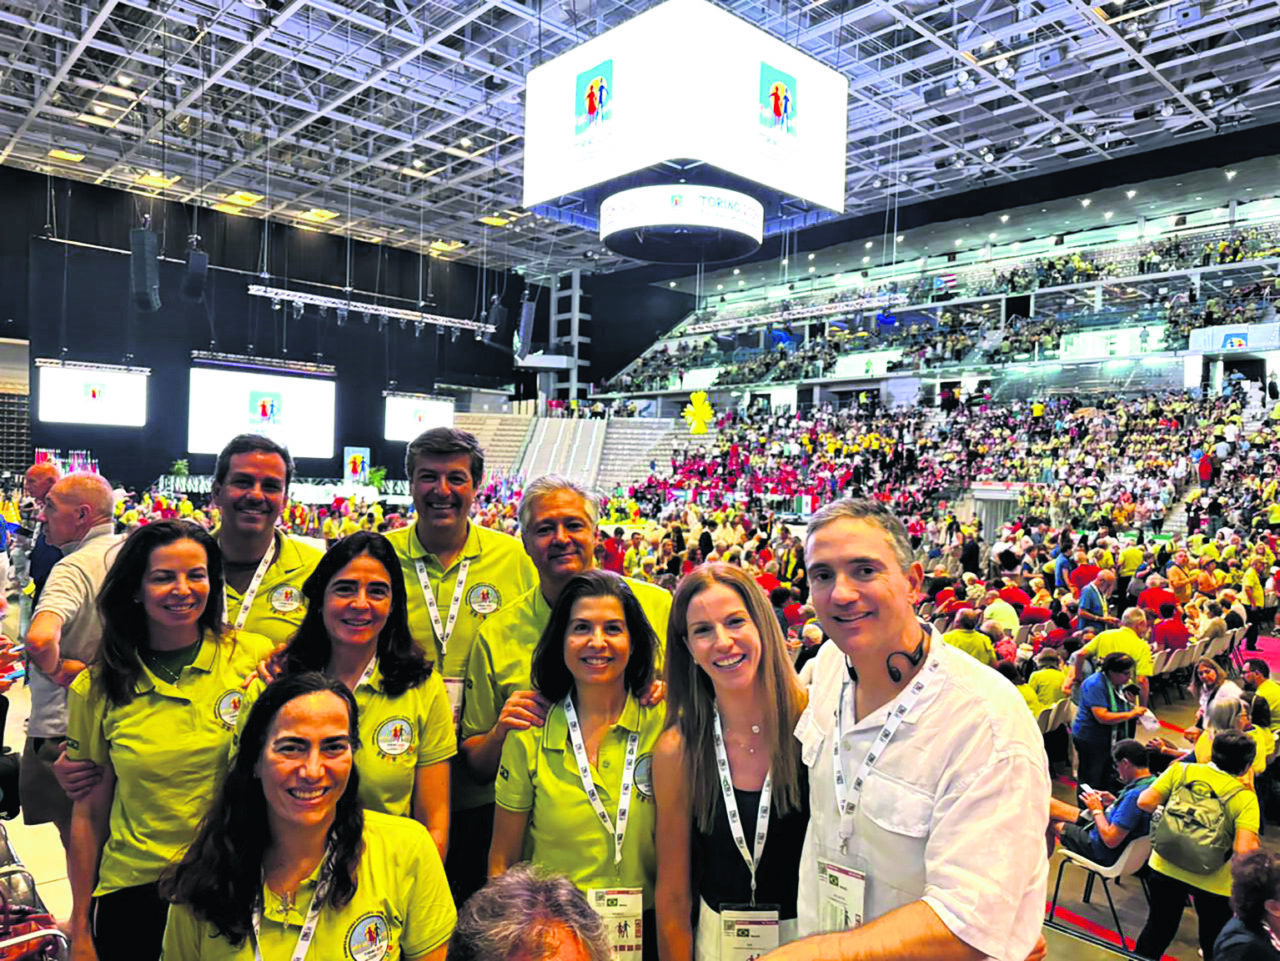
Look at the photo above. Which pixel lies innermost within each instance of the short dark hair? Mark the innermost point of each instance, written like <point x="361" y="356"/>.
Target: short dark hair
<point x="1255" y="880"/>
<point x="1009" y="671"/>
<point x="779" y="596"/>
<point x="1117" y="663"/>
<point x="1258" y="666"/>
<point x="1168" y="610"/>
<point x="1233" y="751"/>
<point x="550" y="674"/>
<point x="247" y="444"/>
<point x="1133" y="751"/>
<point x="443" y="442"/>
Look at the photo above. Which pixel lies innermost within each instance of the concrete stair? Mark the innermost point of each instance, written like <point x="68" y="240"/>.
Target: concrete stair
<point x="502" y="437"/>
<point x="632" y="444"/>
<point x="567" y="446"/>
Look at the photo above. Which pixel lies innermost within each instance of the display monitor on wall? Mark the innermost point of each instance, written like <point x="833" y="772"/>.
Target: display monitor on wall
<point x="293" y="410"/>
<point x="69" y="393"/>
<point x="408" y="415"/>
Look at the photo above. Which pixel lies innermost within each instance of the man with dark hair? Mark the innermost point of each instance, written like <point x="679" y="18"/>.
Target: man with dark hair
<point x="264" y="567"/>
<point x="1257" y="678"/>
<point x="1108" y="822"/>
<point x="1170" y="633"/>
<point x="456" y="575"/>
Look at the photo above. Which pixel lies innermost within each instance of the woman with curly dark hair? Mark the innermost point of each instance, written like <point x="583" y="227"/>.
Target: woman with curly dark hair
<point x="156" y="714"/>
<point x="356" y="632"/>
<point x="287" y="856"/>
<point x="1254" y="933"/>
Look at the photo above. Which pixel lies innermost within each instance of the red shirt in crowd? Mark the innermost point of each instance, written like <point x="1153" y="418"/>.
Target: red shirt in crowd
<point x="1153" y="597"/>
<point x="1082" y="576"/>
<point x="1171" y="635"/>
<point x="1035" y="615"/>
<point x="1016" y="595"/>
<point x="615" y="551"/>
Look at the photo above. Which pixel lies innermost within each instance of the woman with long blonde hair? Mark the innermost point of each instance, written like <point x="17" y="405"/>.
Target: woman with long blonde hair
<point x="730" y="785"/>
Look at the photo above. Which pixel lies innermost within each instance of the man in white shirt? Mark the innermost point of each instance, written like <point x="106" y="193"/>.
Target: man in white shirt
<point x="913" y="849"/>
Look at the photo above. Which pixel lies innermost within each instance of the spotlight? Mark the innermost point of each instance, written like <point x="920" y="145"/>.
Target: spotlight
<point x="382" y="324"/>
<point x="275" y="303"/>
<point x="1231" y="174"/>
<point x="1055" y="138"/>
<point x="1004" y="218"/>
<point x="962" y="77"/>
<point x="1166" y="109"/>
<point x="341" y="313"/>
<point x="297" y="310"/>
<point x="364" y="314"/>
<point x="477" y="335"/>
<point x="958" y="163"/>
<point x="1090" y="130"/>
<point x="1085" y="201"/>
<point x="1131" y="194"/>
<point x="877" y="184"/>
<point x="1002" y="65"/>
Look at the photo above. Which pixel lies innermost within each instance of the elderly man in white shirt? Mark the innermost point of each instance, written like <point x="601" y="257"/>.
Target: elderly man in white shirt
<point x="929" y="790"/>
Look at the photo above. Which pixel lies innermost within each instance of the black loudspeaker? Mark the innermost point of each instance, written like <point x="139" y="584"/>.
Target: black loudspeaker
<point x="525" y="334"/>
<point x="144" y="269"/>
<point x="497" y="317"/>
<point x="197" y="274"/>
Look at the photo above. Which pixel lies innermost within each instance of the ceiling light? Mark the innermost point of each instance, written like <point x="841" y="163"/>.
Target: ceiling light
<point x="877" y="183"/>
<point x="124" y="79"/>
<point x="99" y="109"/>
<point x="67" y="156"/>
<point x="1108" y="215"/>
<point x="417" y="163"/>
<point x="989" y="45"/>
<point x="811" y="256"/>
<point x="1002" y="65"/>
<point x="736" y="271"/>
<point x="255" y="4"/>
<point x="157" y="180"/>
<point x="464" y="142"/>
<point x="319" y="215"/>
<point x="671" y="283"/>
<point x="1090" y="130"/>
<point x="446" y="246"/>
<point x="812" y="269"/>
<point x="866" y="260"/>
<point x="1231" y="174"/>
<point x="958" y="163"/>
<point x="719" y="286"/>
<point x="1055" y="138"/>
<point x="900" y="239"/>
<point x="1166" y="109"/>
<point x="243" y="198"/>
<point x="784" y="261"/>
<point x="742" y="283"/>
<point x="962" y="76"/>
<point x="494" y="221"/>
<point x="868" y="245"/>
<point x="959" y="241"/>
<point x="228" y="209"/>
<point x="1131" y="194"/>
<point x="991" y="236"/>
<point x="1085" y="201"/>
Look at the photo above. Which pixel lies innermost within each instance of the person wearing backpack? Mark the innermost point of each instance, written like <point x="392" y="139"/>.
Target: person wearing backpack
<point x="1208" y="815"/>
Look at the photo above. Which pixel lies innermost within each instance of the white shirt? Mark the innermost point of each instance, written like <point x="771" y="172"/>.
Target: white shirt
<point x="954" y="812"/>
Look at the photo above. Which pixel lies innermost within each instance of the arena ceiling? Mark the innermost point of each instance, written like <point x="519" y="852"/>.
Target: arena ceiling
<point x="401" y="121"/>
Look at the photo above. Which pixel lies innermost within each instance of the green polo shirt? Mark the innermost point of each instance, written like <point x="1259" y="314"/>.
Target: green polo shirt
<point x="1242" y="805"/>
<point x="398" y="735"/>
<point x="502" y="656"/>
<point x="974" y="643"/>
<point x="278" y="606"/>
<point x="1124" y="640"/>
<point x="539" y="775"/>
<point x="168" y="747"/>
<point x="498" y="573"/>
<point x="401" y="908"/>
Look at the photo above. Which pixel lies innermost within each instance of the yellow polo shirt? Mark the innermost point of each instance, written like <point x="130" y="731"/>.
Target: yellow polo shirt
<point x="1130" y="560"/>
<point x="398" y="735"/>
<point x="502" y="656"/>
<point x="499" y="572"/>
<point x="1251" y="588"/>
<point x="168" y="747"/>
<point x="1047" y="683"/>
<point x="538" y="774"/>
<point x="1125" y="640"/>
<point x="402" y="908"/>
<point x="974" y="643"/>
<point x="1243" y="806"/>
<point x="1269" y="691"/>
<point x="278" y="606"/>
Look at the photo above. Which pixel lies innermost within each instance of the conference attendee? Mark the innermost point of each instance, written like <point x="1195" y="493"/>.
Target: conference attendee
<point x="1212" y="625"/>
<point x="1103" y="719"/>
<point x="1257" y="678"/>
<point x="966" y="637"/>
<point x="64" y="635"/>
<point x="263" y="566"/>
<point x="730" y="785"/>
<point x="1129" y="638"/>
<point x="907" y="833"/>
<point x="1048" y="680"/>
<point x="456" y="574"/>
<point x="1253" y="592"/>
<point x="575" y="796"/>
<point x="557" y="523"/>
<point x="156" y="714"/>
<point x="1092" y="611"/>
<point x="1210" y="892"/>
<point x="1253" y="933"/>
<point x="996" y="609"/>
<point x="33" y="555"/>
<point x="287" y="859"/>
<point x="1208" y="683"/>
<point x="1156" y="595"/>
<point x="529" y="915"/>
<point x="1182" y="577"/>
<point x="1108" y="822"/>
<point x="1170" y="633"/>
<point x="355" y="631"/>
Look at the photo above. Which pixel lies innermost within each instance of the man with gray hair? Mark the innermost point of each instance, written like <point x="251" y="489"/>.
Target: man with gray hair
<point x="65" y="633"/>
<point x="558" y="528"/>
<point x="914" y="751"/>
<point x="526" y="915"/>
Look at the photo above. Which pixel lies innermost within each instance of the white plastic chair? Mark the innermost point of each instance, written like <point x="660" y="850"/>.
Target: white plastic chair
<point x="1130" y="862"/>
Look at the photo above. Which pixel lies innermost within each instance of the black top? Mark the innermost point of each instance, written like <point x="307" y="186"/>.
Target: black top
<point x="1239" y="943"/>
<point x="721" y="875"/>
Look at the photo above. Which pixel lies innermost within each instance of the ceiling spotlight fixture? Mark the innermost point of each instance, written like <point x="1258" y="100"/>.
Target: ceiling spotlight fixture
<point x="275" y="303"/>
<point x="1108" y="215"/>
<point x="1166" y="109"/>
<point x="1090" y="130"/>
<point x="341" y="314"/>
<point x="878" y="183"/>
<point x="1131" y="194"/>
<point x="297" y="309"/>
<point x="671" y="283"/>
<point x="991" y="236"/>
<point x="866" y="260"/>
<point x="1055" y="138"/>
<point x="255" y="4"/>
<point x="1004" y="218"/>
<point x="811" y="256"/>
<point x="464" y="142"/>
<point x="901" y="238"/>
<point x="868" y="245"/>
<point x="958" y="163"/>
<point x="1085" y="201"/>
<point x="1231" y="174"/>
<point x="812" y="269"/>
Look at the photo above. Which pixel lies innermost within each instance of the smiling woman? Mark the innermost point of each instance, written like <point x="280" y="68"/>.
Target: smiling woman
<point x="288" y="856"/>
<point x="576" y="795"/>
<point x="167" y="665"/>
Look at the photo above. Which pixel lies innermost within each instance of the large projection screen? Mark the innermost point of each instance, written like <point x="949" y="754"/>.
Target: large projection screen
<point x="407" y="415"/>
<point x="719" y="89"/>
<point x="295" y="411"/>
<point x="92" y="395"/>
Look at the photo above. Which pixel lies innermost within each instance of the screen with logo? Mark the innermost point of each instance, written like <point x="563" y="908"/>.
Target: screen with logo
<point x="296" y="411"/>
<point x="92" y="395"/>
<point x="686" y="79"/>
<point x="407" y="415"/>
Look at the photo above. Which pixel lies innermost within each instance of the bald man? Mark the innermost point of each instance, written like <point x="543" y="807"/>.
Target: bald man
<point x="65" y="633"/>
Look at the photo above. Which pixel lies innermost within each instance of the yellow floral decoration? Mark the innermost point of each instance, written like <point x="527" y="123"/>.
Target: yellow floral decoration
<point x="698" y="413"/>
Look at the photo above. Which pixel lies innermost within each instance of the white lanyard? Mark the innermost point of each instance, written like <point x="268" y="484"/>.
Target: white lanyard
<point x="308" y="926"/>
<point x="906" y="701"/>
<point x="246" y="599"/>
<point x="619" y="831"/>
<point x="731" y="809"/>
<point x="367" y="676"/>
<point x="442" y="633"/>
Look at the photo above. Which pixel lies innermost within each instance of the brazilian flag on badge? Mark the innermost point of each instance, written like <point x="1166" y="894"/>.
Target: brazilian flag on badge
<point x="777" y="100"/>
<point x="594" y="98"/>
